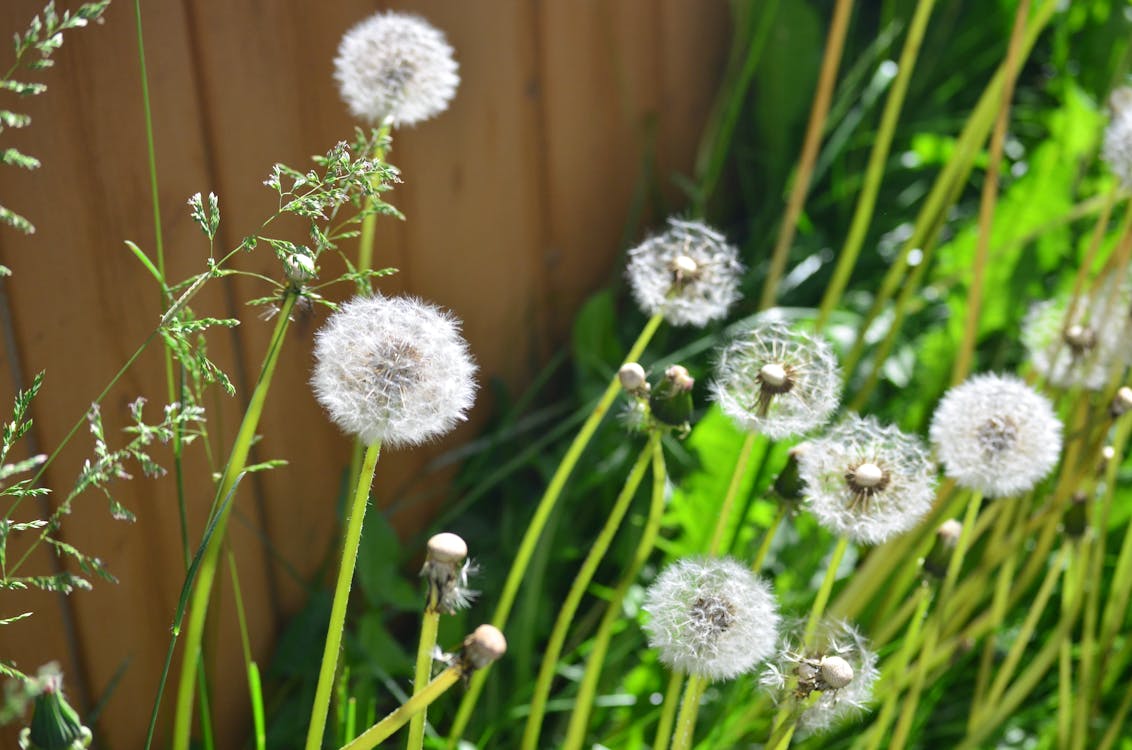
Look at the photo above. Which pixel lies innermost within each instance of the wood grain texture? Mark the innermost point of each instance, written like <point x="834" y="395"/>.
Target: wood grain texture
<point x="516" y="202"/>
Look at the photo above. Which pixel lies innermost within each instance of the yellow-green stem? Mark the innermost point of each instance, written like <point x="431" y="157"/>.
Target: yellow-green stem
<point x="538" y="521"/>
<point x="430" y="624"/>
<point x="587" y="688"/>
<point x="668" y="711"/>
<point x="206" y="573"/>
<point x="822" y="598"/>
<point x="689" y="710"/>
<point x="732" y="493"/>
<point x="896" y="669"/>
<point x="582" y="580"/>
<point x="353" y="536"/>
<point x="768" y="537"/>
<point x="380" y="731"/>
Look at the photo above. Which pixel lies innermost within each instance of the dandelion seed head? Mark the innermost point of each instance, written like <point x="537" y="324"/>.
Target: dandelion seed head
<point x="996" y="435"/>
<point x="867" y="481"/>
<point x="711" y="617"/>
<point x="1117" y="148"/>
<point x="394" y="370"/>
<point x="689" y="273"/>
<point x="777" y="380"/>
<point x="396" y="66"/>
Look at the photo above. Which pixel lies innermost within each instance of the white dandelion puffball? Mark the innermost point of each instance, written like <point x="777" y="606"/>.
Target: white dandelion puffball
<point x="778" y="381"/>
<point x="393" y="369"/>
<point x="396" y="66"/>
<point x="1117" y="149"/>
<point x="996" y="435"/>
<point x="867" y="481"/>
<point x="711" y="617"/>
<point x="689" y="274"/>
<point x="841" y="666"/>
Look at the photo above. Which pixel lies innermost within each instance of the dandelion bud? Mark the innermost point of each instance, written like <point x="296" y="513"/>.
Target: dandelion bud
<point x="867" y="482"/>
<point x="1076" y="521"/>
<point x="996" y="435"/>
<point x="632" y="377"/>
<point x="711" y="617"/>
<point x="1122" y="402"/>
<point x="54" y="724"/>
<point x="393" y="369"/>
<point x="939" y="556"/>
<point x="299" y="267"/>
<point x="447" y="569"/>
<point x="395" y="66"/>
<point x="788" y="485"/>
<point x="778" y="381"/>
<point x="688" y="274"/>
<point x="485" y="645"/>
<point x="671" y="401"/>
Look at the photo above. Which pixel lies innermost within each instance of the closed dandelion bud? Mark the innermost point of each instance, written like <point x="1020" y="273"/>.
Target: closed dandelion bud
<point x="671" y="401"/>
<point x="1117" y="149"/>
<point x="996" y="435"/>
<point x="840" y="667"/>
<point x="788" y="485"/>
<point x="393" y="369"/>
<point x="712" y="618"/>
<point x="54" y="724"/>
<point x="485" y="645"/>
<point x="632" y="378"/>
<point x="689" y="274"/>
<point x="866" y="481"/>
<point x="1076" y="521"/>
<point x="777" y="381"/>
<point x="1121" y="402"/>
<point x="446" y="569"/>
<point x="939" y="556"/>
<point x="395" y="66"/>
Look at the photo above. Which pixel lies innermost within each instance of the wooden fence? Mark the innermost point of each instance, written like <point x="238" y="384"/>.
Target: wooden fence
<point x="516" y="200"/>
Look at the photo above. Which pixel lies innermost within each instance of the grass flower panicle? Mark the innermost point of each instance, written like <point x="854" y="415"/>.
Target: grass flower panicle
<point x="393" y="370"/>
<point x="866" y="481"/>
<point x="996" y="435"/>
<point x="395" y="66"/>
<point x="1117" y="148"/>
<point x="712" y="618"/>
<point x="689" y="274"/>
<point x="842" y="667"/>
<point x="777" y="380"/>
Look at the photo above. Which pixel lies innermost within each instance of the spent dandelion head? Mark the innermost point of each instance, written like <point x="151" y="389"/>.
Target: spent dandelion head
<point x="777" y="380"/>
<point x="996" y="435"/>
<point x="840" y="667"/>
<point x="1117" y="149"/>
<point x="711" y="617"/>
<point x="867" y="481"/>
<point x="393" y="370"/>
<point x="689" y="273"/>
<point x="447" y="569"/>
<point x="395" y="66"/>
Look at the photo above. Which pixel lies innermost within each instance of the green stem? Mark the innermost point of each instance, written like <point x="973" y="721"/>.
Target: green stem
<point x="689" y="709"/>
<point x="822" y="598"/>
<point x="538" y="521"/>
<point x="582" y="580"/>
<point x="768" y="537"/>
<point x="587" y="688"/>
<point x="198" y="608"/>
<point x="737" y="477"/>
<point x="341" y="597"/>
<point x="668" y="710"/>
<point x="378" y="733"/>
<point x="878" y="734"/>
<point x="430" y="624"/>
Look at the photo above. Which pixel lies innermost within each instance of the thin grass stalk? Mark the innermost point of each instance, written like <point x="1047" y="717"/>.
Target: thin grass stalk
<point x="667" y="718"/>
<point x="874" y="170"/>
<point x="1120" y="589"/>
<point x="989" y="200"/>
<point x="255" y="692"/>
<point x="381" y="731"/>
<point x="582" y="579"/>
<point x="1117" y="725"/>
<point x="1003" y="513"/>
<point x="737" y="476"/>
<point x="1072" y="716"/>
<point x="531" y="536"/>
<point x="353" y="538"/>
<point x="689" y="710"/>
<point x="587" y="687"/>
<point x="827" y="79"/>
<point x="422" y="672"/>
<point x="198" y="607"/>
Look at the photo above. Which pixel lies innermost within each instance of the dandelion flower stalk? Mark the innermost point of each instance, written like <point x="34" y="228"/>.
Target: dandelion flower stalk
<point x="582" y="579"/>
<point x="206" y="572"/>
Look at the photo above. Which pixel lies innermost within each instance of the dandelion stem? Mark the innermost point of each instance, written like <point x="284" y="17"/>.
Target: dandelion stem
<point x="737" y="477"/>
<point x="768" y="537"/>
<point x="582" y="580"/>
<point x="430" y="624"/>
<point x="380" y="731"/>
<point x="198" y="607"/>
<point x="583" y="702"/>
<point x="822" y="598"/>
<point x="689" y="709"/>
<point x="898" y="666"/>
<point x="538" y="522"/>
<point x="668" y="710"/>
<point x="341" y="597"/>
